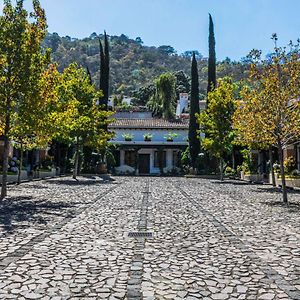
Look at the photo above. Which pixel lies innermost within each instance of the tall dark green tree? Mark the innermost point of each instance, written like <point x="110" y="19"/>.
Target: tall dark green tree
<point x="212" y="78"/>
<point x="106" y="66"/>
<point x="104" y="70"/>
<point x="194" y="142"/>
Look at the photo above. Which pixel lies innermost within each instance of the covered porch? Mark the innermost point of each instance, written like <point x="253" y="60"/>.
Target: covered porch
<point x="146" y="160"/>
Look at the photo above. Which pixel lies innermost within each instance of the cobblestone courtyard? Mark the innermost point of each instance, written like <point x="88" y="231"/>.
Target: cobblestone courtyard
<point x="62" y="239"/>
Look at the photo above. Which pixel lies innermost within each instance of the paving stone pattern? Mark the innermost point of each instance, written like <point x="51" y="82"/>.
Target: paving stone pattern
<point x="195" y="239"/>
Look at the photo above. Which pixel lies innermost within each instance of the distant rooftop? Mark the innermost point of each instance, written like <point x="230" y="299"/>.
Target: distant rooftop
<point x="131" y="109"/>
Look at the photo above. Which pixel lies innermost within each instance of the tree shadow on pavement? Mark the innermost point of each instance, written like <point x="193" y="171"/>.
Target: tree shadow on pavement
<point x="78" y="182"/>
<point x="275" y="190"/>
<point x="24" y="211"/>
<point x="35" y="186"/>
<point x="292" y="207"/>
<point x="232" y="182"/>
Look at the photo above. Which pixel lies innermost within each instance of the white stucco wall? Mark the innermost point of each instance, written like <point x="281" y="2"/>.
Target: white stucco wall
<point x="158" y="135"/>
<point x="158" y="139"/>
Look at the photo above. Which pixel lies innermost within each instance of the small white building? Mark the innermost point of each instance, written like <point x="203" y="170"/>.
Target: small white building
<point x="148" y="145"/>
<point x="127" y="100"/>
<point x="183" y="105"/>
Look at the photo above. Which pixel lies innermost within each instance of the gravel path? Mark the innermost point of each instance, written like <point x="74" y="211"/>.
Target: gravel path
<point x="148" y="238"/>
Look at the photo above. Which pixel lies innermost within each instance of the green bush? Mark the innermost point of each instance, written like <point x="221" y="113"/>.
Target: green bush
<point x="239" y="168"/>
<point x="230" y="171"/>
<point x="46" y="164"/>
<point x="247" y="165"/>
<point x="289" y="165"/>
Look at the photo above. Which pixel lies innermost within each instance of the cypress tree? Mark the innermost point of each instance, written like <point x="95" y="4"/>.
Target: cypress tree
<point x="89" y="74"/>
<point x="102" y="76"/>
<point x="106" y="67"/>
<point x="212" y="78"/>
<point x="194" y="143"/>
<point x="104" y="71"/>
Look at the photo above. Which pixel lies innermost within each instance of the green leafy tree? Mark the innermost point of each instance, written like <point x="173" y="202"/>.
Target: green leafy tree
<point x="143" y="94"/>
<point x="194" y="142"/>
<point x="182" y="83"/>
<point x="271" y="106"/>
<point x="212" y="79"/>
<point x="22" y="63"/>
<point x="164" y="101"/>
<point x="217" y="122"/>
<point x="33" y="122"/>
<point x="80" y="119"/>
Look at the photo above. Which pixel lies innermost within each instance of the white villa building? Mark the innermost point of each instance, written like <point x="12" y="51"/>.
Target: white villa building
<point x="156" y="155"/>
<point x="148" y="145"/>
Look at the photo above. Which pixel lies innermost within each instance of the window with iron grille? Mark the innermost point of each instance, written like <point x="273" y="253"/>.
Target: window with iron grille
<point x="130" y="159"/>
<point x="156" y="159"/>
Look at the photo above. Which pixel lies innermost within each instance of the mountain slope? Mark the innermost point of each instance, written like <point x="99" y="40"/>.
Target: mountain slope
<point x="132" y="64"/>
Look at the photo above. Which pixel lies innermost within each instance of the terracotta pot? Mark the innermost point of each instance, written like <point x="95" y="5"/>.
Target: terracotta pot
<point x="102" y="168"/>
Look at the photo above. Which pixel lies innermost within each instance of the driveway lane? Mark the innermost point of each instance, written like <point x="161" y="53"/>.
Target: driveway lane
<point x="210" y="241"/>
<point x="88" y="258"/>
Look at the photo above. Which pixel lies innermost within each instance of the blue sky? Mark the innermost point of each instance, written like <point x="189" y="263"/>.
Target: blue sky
<point x="240" y="25"/>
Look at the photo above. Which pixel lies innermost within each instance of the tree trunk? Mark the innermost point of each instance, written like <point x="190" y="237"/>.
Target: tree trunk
<point x="64" y="166"/>
<point x="80" y="159"/>
<point x="221" y="170"/>
<point x="271" y="165"/>
<point x="76" y="160"/>
<point x="5" y="167"/>
<point x="58" y="153"/>
<point x="21" y="164"/>
<point x="233" y="159"/>
<point x="284" y="191"/>
<point x="5" y="153"/>
<point x="160" y="161"/>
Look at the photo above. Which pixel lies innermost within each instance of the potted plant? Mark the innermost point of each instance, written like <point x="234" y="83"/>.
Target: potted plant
<point x="127" y="137"/>
<point x="230" y="172"/>
<point x="170" y="136"/>
<point x="292" y="174"/>
<point x="147" y="137"/>
<point x="46" y="167"/>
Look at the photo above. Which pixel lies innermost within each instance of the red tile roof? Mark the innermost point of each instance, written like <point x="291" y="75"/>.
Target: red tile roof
<point x="149" y="124"/>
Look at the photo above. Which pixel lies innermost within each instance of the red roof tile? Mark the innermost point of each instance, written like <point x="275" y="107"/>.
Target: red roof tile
<point x="149" y="124"/>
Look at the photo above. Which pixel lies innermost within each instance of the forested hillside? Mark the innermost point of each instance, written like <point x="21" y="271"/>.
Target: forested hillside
<point x="133" y="65"/>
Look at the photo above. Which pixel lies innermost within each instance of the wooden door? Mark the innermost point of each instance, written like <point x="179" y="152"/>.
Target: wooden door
<point x="144" y="163"/>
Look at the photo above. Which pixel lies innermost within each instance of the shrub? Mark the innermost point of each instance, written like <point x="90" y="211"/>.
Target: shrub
<point x="239" y="168"/>
<point x="295" y="172"/>
<point x="276" y="167"/>
<point x="247" y="165"/>
<point x="229" y="171"/>
<point x="289" y="165"/>
<point x="185" y="158"/>
<point x="47" y="163"/>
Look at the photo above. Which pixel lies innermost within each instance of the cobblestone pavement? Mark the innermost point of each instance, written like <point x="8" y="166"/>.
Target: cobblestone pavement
<point x="148" y="238"/>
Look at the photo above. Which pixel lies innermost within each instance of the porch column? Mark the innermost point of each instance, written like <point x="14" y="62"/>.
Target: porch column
<point x="160" y="160"/>
<point x="136" y="152"/>
<point x="122" y="157"/>
<point x="169" y="158"/>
